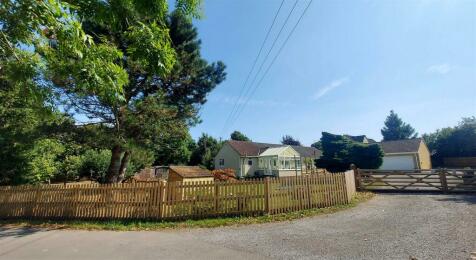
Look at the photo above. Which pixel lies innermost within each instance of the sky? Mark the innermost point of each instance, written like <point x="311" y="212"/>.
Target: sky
<point x="347" y="64"/>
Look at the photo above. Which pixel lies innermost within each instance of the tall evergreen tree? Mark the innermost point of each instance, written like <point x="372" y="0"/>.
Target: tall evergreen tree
<point x="396" y="129"/>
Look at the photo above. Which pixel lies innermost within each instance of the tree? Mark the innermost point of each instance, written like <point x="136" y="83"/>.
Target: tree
<point x="238" y="136"/>
<point x="289" y="140"/>
<point x="458" y="141"/>
<point x="317" y="145"/>
<point x="174" y="151"/>
<point x="339" y="152"/>
<point x="128" y="66"/>
<point x="205" y="152"/>
<point x="396" y="129"/>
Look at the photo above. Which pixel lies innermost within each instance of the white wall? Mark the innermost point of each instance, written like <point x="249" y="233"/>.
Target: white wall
<point x="231" y="157"/>
<point x="398" y="162"/>
<point x="249" y="170"/>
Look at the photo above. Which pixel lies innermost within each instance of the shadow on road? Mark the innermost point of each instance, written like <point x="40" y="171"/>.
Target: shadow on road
<point x="460" y="198"/>
<point x="467" y="198"/>
<point x="18" y="231"/>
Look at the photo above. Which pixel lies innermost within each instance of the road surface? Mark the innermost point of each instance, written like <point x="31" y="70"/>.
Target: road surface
<point x="390" y="226"/>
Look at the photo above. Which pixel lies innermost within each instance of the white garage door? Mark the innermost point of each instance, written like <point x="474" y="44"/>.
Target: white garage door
<point x="400" y="162"/>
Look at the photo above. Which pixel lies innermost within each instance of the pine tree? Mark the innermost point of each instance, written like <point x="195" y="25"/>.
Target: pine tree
<point x="396" y="129"/>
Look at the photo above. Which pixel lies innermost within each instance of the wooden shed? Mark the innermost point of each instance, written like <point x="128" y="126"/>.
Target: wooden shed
<point x="189" y="174"/>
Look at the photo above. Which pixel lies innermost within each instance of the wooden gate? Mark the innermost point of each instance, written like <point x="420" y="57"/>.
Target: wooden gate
<point x="446" y="180"/>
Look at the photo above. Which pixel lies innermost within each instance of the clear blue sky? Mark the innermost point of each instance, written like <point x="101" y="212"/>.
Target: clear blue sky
<point x="345" y="67"/>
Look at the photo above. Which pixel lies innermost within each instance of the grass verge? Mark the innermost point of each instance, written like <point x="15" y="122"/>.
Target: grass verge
<point x="136" y="225"/>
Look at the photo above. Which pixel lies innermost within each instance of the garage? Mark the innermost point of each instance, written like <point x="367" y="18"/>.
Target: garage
<point x="398" y="162"/>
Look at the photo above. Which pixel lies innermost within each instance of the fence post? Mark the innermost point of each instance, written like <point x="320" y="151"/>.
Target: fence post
<point x="161" y="199"/>
<point x="216" y="194"/>
<point x="356" y="176"/>
<point x="309" y="199"/>
<point x="267" y="194"/>
<point x="444" y="183"/>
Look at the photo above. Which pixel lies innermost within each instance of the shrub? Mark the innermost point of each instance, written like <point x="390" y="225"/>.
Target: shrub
<point x="224" y="175"/>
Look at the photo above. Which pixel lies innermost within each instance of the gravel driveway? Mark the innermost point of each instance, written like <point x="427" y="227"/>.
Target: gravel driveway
<point x="390" y="226"/>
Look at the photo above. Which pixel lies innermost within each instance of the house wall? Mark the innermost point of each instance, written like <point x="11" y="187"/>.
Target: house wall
<point x="398" y="162"/>
<point x="249" y="170"/>
<point x="173" y="176"/>
<point x="231" y="157"/>
<point x="424" y="156"/>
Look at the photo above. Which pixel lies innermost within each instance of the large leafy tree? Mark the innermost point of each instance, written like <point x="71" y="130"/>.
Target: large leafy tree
<point x="112" y="62"/>
<point x="289" y="140"/>
<point x="396" y="129"/>
<point x="339" y="152"/>
<point x="239" y="136"/>
<point x="458" y="141"/>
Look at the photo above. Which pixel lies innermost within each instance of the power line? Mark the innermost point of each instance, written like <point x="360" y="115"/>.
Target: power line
<point x="233" y="114"/>
<point x="252" y="67"/>
<point x="272" y="62"/>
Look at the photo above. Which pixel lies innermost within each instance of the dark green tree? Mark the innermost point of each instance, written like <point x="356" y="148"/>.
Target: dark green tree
<point x="339" y="152"/>
<point x="317" y="145"/>
<point x="289" y="140"/>
<point x="458" y="141"/>
<point x="238" y="136"/>
<point x="396" y="129"/>
<point x="206" y="150"/>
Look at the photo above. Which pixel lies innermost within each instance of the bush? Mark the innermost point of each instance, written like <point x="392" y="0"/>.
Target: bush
<point x="224" y="175"/>
<point x="44" y="160"/>
<point x="95" y="163"/>
<point x="339" y="152"/>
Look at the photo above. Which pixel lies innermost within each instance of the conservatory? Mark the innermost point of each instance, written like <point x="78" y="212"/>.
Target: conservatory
<point x="279" y="161"/>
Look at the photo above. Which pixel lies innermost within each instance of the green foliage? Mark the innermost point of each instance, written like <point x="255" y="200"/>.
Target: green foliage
<point x="71" y="167"/>
<point x="44" y="160"/>
<point x="289" y="140"/>
<point x="205" y="152"/>
<point x="317" y="145"/>
<point x="176" y="150"/>
<point x="459" y="141"/>
<point x="134" y="70"/>
<point x="94" y="163"/>
<point x="339" y="152"/>
<point x="396" y="129"/>
<point x="238" y="136"/>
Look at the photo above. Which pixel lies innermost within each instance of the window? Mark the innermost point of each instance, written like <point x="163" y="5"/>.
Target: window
<point x="250" y="162"/>
<point x="221" y="162"/>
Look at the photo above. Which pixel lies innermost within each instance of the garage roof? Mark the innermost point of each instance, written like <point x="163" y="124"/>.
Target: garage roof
<point x="401" y="146"/>
<point x="191" y="171"/>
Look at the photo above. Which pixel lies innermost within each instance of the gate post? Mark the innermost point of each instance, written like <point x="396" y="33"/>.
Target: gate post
<point x="444" y="183"/>
<point x="267" y="195"/>
<point x="356" y="176"/>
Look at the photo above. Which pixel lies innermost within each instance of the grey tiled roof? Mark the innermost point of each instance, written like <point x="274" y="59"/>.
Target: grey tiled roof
<point x="246" y="148"/>
<point x="401" y="146"/>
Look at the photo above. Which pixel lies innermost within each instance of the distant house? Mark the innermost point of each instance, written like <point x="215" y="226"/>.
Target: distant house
<point x="251" y="159"/>
<point x="189" y="174"/>
<point x="406" y="154"/>
<point x="361" y="139"/>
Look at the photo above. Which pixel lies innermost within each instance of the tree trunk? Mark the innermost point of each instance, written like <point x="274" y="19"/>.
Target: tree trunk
<point x="115" y="165"/>
<point x="124" y="163"/>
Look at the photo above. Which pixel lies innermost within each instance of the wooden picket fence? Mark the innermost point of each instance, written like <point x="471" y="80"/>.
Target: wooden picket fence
<point x="176" y="200"/>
